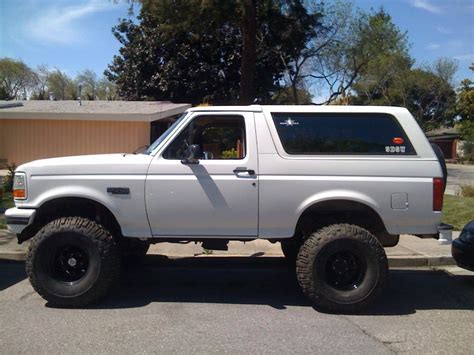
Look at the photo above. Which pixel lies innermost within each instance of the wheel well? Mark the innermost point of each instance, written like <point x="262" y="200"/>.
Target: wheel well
<point x="325" y="213"/>
<point x="72" y="207"/>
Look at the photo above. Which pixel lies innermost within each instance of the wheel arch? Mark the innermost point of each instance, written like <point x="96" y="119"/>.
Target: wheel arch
<point x="341" y="208"/>
<point x="72" y="206"/>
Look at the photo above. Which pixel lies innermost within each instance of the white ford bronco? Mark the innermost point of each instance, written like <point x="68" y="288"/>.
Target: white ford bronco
<point x="333" y="184"/>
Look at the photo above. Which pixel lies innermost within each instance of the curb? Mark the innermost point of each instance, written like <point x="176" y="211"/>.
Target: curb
<point x="13" y="256"/>
<point x="394" y="261"/>
<point x="420" y="260"/>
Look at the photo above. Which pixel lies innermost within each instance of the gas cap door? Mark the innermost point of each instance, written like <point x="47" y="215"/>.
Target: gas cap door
<point x="400" y="201"/>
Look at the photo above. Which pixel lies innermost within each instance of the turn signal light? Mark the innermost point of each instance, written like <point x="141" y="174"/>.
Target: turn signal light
<point x="438" y="187"/>
<point x="19" y="194"/>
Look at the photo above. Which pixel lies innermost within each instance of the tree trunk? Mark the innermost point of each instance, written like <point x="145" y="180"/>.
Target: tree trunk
<point x="247" y="67"/>
<point x="294" y="90"/>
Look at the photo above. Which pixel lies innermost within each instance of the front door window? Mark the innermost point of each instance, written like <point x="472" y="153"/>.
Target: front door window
<point x="219" y="137"/>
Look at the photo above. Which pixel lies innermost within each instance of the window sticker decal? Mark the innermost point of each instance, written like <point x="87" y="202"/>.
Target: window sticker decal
<point x="395" y="149"/>
<point x="289" y="122"/>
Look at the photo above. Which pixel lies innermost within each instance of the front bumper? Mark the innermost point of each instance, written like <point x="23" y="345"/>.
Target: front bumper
<point x="18" y="219"/>
<point x="463" y="253"/>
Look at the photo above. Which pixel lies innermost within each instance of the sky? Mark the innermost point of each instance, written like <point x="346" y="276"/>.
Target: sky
<point x="73" y="35"/>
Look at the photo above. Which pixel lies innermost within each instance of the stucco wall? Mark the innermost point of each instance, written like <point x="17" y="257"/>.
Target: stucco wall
<point x="23" y="140"/>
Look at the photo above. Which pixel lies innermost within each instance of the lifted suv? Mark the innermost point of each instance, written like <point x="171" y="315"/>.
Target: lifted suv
<point x="333" y="185"/>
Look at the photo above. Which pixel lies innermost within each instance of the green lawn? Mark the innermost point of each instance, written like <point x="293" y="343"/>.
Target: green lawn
<point x="7" y="202"/>
<point x="458" y="210"/>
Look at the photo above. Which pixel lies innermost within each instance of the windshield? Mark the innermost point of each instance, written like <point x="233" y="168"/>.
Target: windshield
<point x="161" y="138"/>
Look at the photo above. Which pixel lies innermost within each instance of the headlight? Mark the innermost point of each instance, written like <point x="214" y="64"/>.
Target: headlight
<point x="19" y="186"/>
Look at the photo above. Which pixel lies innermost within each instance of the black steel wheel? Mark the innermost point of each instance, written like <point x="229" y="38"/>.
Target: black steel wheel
<point x="72" y="262"/>
<point x="341" y="268"/>
<point x="69" y="263"/>
<point x="345" y="270"/>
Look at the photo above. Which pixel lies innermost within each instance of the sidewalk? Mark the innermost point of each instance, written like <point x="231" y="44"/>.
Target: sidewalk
<point x="410" y="252"/>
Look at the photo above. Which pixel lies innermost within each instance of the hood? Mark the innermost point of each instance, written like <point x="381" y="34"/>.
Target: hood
<point x="89" y="164"/>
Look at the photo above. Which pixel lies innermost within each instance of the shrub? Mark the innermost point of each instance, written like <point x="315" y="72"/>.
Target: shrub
<point x="466" y="129"/>
<point x="8" y="180"/>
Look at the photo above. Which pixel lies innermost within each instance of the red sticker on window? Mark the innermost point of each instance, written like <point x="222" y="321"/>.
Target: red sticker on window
<point x="398" y="140"/>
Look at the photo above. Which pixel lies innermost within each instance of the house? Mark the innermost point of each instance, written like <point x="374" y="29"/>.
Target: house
<point x="32" y="130"/>
<point x="448" y="139"/>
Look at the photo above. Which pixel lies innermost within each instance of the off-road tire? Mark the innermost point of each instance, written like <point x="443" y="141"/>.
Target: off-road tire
<point x="319" y="261"/>
<point x="84" y="237"/>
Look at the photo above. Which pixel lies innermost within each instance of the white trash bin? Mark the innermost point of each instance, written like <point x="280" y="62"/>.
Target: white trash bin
<point x="445" y="234"/>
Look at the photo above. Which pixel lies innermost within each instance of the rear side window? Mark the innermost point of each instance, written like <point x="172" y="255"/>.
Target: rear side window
<point x="345" y="134"/>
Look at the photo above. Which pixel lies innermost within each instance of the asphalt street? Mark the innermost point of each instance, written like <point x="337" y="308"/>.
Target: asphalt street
<point x="236" y="305"/>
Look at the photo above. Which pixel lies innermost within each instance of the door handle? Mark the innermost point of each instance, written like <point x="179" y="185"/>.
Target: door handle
<point x="244" y="170"/>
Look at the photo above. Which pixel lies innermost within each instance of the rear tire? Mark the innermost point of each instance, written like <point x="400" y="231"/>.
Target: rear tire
<point x="341" y="268"/>
<point x="72" y="262"/>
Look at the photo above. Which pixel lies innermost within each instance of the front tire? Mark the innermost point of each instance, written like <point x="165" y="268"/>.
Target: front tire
<point x="341" y="268"/>
<point x="72" y="262"/>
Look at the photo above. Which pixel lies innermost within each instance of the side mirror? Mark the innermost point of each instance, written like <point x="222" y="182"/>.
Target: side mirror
<point x="192" y="154"/>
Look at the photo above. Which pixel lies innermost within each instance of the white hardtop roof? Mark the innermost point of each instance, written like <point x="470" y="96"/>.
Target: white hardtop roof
<point x="301" y="109"/>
